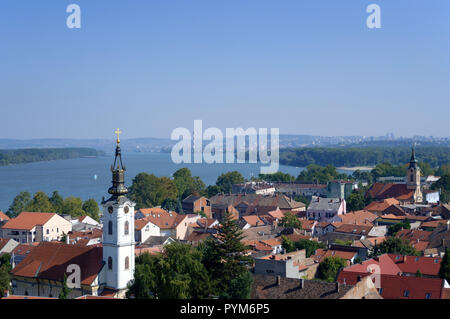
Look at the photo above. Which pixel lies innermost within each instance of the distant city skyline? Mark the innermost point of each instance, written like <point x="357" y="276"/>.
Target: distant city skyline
<point x="307" y="67"/>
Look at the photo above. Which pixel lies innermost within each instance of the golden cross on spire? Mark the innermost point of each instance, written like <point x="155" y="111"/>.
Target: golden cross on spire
<point x="118" y="132"/>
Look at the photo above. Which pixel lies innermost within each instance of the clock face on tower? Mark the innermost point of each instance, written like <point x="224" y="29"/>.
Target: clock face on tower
<point x="126" y="209"/>
<point x="110" y="209"/>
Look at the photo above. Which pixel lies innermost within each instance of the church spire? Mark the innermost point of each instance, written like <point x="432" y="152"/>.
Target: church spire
<point x="413" y="162"/>
<point x="118" y="172"/>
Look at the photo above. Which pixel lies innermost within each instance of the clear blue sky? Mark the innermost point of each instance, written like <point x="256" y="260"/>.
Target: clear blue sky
<point x="149" y="66"/>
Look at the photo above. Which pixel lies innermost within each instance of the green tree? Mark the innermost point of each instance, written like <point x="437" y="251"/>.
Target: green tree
<point x="212" y="190"/>
<point x="276" y="177"/>
<point x="302" y="199"/>
<point x="20" y="202"/>
<point x="224" y="257"/>
<point x="57" y="202"/>
<point x="240" y="288"/>
<point x="329" y="268"/>
<point x="418" y="273"/>
<point x="355" y="201"/>
<point x="319" y="174"/>
<point x="187" y="184"/>
<point x="148" y="190"/>
<point x="73" y="206"/>
<point x="40" y="203"/>
<point x="227" y="180"/>
<point x="291" y="221"/>
<point x="65" y="290"/>
<point x="287" y="244"/>
<point x="394" y="229"/>
<point x="309" y="245"/>
<point x="395" y="245"/>
<point x="444" y="269"/>
<point x="171" y="204"/>
<point x="177" y="273"/>
<point x="90" y="207"/>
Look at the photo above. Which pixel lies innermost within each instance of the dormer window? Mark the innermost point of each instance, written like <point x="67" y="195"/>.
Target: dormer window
<point x="406" y="293"/>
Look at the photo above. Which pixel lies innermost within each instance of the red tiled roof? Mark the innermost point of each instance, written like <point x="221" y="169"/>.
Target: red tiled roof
<point x="49" y="260"/>
<point x="410" y="264"/>
<point x="3" y="216"/>
<point x="353" y="229"/>
<point x="253" y="220"/>
<point x="162" y="218"/>
<point x="386" y="266"/>
<point x="397" y="287"/>
<point x="415" y="235"/>
<point x="381" y="206"/>
<point x="257" y="245"/>
<point x="389" y="190"/>
<point x="3" y="242"/>
<point x="360" y="217"/>
<point x="140" y="223"/>
<point x="28" y="220"/>
<point x="23" y="249"/>
<point x="321" y="254"/>
<point x="272" y="241"/>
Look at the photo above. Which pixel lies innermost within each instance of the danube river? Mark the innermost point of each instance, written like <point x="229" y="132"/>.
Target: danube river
<point x="91" y="177"/>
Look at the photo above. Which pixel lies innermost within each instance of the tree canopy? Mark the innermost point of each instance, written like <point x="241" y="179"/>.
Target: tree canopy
<point x="148" y="190"/>
<point x="329" y="268"/>
<point x="177" y="273"/>
<point x="226" y="180"/>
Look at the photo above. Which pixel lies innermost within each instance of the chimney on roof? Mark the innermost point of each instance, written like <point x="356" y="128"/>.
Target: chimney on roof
<point x="67" y="239"/>
<point x="404" y="259"/>
<point x="278" y="280"/>
<point x="302" y="283"/>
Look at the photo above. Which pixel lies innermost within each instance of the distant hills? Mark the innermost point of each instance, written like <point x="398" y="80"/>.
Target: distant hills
<point x="150" y="144"/>
<point x="30" y="155"/>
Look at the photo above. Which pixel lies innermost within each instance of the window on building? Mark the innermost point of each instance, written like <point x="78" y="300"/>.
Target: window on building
<point x="428" y="296"/>
<point x="406" y="293"/>
<point x="127" y="263"/>
<point x="110" y="228"/>
<point x="110" y="265"/>
<point x="48" y="231"/>
<point x="127" y="227"/>
<point x="412" y="178"/>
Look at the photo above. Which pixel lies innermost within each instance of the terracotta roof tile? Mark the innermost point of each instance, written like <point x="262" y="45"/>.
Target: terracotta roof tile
<point x="49" y="260"/>
<point x="28" y="220"/>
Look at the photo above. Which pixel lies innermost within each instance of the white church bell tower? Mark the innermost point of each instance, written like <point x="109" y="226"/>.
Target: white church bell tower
<point x="118" y="229"/>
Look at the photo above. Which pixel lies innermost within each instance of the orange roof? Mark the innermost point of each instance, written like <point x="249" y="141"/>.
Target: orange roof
<point x="321" y="254"/>
<point x="360" y="217"/>
<point x="381" y="206"/>
<point x="434" y="223"/>
<point x="277" y="214"/>
<point x="153" y="210"/>
<point x="253" y="220"/>
<point x="280" y="256"/>
<point x="28" y="220"/>
<point x="380" y="191"/>
<point x="140" y="223"/>
<point x="162" y="218"/>
<point x="392" y="216"/>
<point x="49" y="261"/>
<point x="272" y="241"/>
<point x="308" y="224"/>
<point x="3" y="216"/>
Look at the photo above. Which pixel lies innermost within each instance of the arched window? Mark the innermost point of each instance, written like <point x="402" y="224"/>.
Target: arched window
<point x="127" y="228"/>
<point x="127" y="263"/>
<point x="110" y="228"/>
<point x="110" y="263"/>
